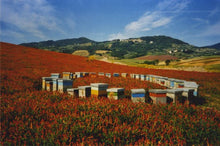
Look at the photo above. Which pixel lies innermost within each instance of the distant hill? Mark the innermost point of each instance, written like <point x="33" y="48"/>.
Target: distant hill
<point x="215" y="46"/>
<point x="127" y="48"/>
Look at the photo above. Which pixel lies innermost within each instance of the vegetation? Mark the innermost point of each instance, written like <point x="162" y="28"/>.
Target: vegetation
<point x="130" y="48"/>
<point x="30" y="116"/>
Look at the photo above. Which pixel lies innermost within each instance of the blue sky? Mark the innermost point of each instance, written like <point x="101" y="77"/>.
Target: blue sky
<point x="194" y="21"/>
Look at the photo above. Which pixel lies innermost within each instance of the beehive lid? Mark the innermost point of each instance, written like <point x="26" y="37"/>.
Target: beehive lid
<point x="115" y="89"/>
<point x="116" y="73"/>
<point x="84" y="87"/>
<point x="191" y="84"/>
<point x="138" y="91"/>
<point x="99" y="85"/>
<point x="187" y="89"/>
<point x="72" y="89"/>
<point x="65" y="80"/>
<point x="55" y="73"/>
<point x="47" y="78"/>
<point x="173" y="90"/>
<point x="66" y="72"/>
<point x="158" y="91"/>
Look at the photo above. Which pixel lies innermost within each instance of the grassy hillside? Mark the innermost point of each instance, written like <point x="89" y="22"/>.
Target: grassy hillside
<point x="129" y="48"/>
<point x="30" y="116"/>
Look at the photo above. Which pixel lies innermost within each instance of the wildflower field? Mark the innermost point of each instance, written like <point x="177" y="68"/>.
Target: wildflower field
<point x="30" y="116"/>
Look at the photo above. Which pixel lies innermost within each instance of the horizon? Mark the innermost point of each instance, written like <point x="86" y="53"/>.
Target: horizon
<point x="41" y="20"/>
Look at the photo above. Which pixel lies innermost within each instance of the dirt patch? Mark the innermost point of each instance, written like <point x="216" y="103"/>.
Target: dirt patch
<point x="158" y="57"/>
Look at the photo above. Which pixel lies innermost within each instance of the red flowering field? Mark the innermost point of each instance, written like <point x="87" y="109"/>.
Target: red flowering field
<point x="30" y="116"/>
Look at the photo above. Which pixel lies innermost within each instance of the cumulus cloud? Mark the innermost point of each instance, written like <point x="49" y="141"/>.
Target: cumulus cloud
<point x="153" y="19"/>
<point x="35" y="17"/>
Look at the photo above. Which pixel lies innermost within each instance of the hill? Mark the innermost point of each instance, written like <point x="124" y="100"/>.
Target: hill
<point x="215" y="46"/>
<point x="30" y="116"/>
<point x="128" y="48"/>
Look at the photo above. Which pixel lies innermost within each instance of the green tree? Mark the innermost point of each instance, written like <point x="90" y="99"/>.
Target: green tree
<point x="167" y="62"/>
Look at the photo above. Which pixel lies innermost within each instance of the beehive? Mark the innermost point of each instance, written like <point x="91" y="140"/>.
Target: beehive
<point x="172" y="82"/>
<point x="79" y="74"/>
<point x="188" y="94"/>
<point x="178" y="84"/>
<point x="63" y="84"/>
<point x="44" y="79"/>
<point x="101" y="74"/>
<point x="116" y="74"/>
<point x="49" y="85"/>
<point x="115" y="93"/>
<point x="67" y="75"/>
<point x="74" y="76"/>
<point x="162" y="81"/>
<point x="108" y="75"/>
<point x="55" y="84"/>
<point x="143" y="77"/>
<point x="174" y="94"/>
<point x="92" y="74"/>
<point x="55" y="75"/>
<point x="99" y="89"/>
<point x="138" y="95"/>
<point x="74" y="92"/>
<point x="132" y="76"/>
<point x="84" y="91"/>
<point x="192" y="85"/>
<point x="158" y="96"/>
<point x="137" y="76"/>
<point x="124" y="75"/>
<point x="85" y="74"/>
<point x="148" y="78"/>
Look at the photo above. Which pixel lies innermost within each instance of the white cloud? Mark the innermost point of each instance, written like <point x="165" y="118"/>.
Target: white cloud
<point x="151" y="20"/>
<point x="35" y="17"/>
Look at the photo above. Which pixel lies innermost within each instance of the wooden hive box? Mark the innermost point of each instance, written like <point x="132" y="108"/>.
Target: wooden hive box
<point x="63" y="84"/>
<point x="148" y="78"/>
<point x="85" y="74"/>
<point x="162" y="81"/>
<point x="92" y="74"/>
<point x="138" y="95"/>
<point x="101" y="74"/>
<point x="143" y="77"/>
<point x="99" y="89"/>
<point x="124" y="75"/>
<point x="192" y="85"/>
<point x="178" y="83"/>
<point x="132" y="76"/>
<point x="55" y="84"/>
<point x="108" y="75"/>
<point x="174" y="94"/>
<point x="84" y="91"/>
<point x="116" y="74"/>
<point x="67" y="75"/>
<point x="44" y="79"/>
<point x="137" y="76"/>
<point x="55" y="75"/>
<point x="158" y="96"/>
<point x="74" y="92"/>
<point x="172" y="82"/>
<point x="79" y="74"/>
<point x="115" y="93"/>
<point x="49" y="85"/>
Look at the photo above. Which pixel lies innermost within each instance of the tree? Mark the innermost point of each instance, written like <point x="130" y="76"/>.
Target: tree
<point x="167" y="62"/>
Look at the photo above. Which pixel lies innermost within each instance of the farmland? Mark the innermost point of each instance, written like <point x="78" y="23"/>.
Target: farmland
<point x="31" y="116"/>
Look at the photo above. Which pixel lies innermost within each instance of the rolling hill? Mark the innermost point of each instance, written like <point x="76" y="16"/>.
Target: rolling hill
<point x="128" y="48"/>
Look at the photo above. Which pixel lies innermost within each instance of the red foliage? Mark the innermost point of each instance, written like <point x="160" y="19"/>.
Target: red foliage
<point x="32" y="117"/>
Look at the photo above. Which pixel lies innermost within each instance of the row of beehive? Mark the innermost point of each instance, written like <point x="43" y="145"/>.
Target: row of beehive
<point x="163" y="81"/>
<point x="102" y="90"/>
<point x="55" y="83"/>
